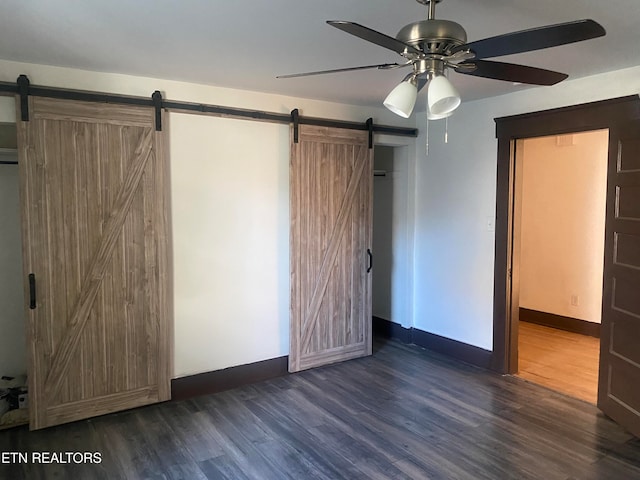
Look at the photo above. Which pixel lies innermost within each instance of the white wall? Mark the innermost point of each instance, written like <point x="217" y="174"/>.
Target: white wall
<point x="562" y="224"/>
<point x="455" y="194"/>
<point x="230" y="188"/>
<point x="13" y="359"/>
<point x="7" y="110"/>
<point x="230" y="212"/>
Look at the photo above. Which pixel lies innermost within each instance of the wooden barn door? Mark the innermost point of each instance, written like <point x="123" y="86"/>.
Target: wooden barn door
<point x="96" y="243"/>
<point x="619" y="381"/>
<point x="331" y="223"/>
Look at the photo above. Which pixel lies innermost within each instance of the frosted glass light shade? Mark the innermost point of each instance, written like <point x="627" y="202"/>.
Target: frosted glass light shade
<point x="402" y="99"/>
<point x="433" y="116"/>
<point x="442" y="96"/>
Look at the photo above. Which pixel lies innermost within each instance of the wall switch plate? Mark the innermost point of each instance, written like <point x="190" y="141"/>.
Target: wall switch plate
<point x="575" y="300"/>
<point x="491" y="224"/>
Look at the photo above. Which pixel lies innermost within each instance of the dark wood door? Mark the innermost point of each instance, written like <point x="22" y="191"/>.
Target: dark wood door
<point x="619" y="381"/>
<point x="331" y="176"/>
<point x="96" y="238"/>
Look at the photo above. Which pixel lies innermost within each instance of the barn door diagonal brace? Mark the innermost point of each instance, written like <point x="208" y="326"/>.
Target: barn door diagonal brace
<point x="156" y="98"/>
<point x="23" y="91"/>
<point x="370" y="128"/>
<point x="295" y="119"/>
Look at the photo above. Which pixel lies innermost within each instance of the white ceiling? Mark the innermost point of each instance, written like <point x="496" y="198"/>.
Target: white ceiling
<point x="246" y="43"/>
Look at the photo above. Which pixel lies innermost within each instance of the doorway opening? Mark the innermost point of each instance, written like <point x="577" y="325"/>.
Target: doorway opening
<point x="619" y="363"/>
<point x="13" y="345"/>
<point x="391" y="245"/>
<point x="559" y="231"/>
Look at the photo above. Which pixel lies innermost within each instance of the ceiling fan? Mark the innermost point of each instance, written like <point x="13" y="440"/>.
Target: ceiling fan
<point x="433" y="46"/>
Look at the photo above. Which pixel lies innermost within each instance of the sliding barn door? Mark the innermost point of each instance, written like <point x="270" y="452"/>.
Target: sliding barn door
<point x="331" y="176"/>
<point x="619" y="382"/>
<point x="96" y="242"/>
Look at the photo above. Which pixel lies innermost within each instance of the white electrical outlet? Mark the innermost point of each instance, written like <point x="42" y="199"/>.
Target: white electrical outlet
<point x="491" y="224"/>
<point x="575" y="300"/>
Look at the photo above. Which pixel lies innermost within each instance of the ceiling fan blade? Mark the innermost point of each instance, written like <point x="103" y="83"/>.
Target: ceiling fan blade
<point x="382" y="66"/>
<point x="374" y="37"/>
<point x="535" y="39"/>
<point x="511" y="72"/>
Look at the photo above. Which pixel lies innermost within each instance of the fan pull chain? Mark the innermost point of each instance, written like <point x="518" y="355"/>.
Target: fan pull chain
<point x="446" y="130"/>
<point x="427" y="134"/>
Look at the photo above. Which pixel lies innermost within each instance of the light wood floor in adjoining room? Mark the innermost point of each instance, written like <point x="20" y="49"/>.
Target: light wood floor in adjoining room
<point x="563" y="361"/>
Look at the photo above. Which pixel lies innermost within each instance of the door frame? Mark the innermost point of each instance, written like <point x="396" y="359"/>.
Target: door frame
<point x="605" y="114"/>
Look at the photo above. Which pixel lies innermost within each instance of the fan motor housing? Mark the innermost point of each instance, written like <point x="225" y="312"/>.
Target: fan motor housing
<point x="433" y="36"/>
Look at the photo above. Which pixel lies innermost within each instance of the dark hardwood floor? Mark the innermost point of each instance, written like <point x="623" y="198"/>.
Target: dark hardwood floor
<point x="402" y="413"/>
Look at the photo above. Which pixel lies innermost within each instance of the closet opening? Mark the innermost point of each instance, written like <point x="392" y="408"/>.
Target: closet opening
<point x="391" y="246"/>
<point x="14" y="400"/>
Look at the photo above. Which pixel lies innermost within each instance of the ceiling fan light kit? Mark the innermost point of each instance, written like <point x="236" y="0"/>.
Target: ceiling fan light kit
<point x="433" y="46"/>
<point x="442" y="96"/>
<point x="402" y="98"/>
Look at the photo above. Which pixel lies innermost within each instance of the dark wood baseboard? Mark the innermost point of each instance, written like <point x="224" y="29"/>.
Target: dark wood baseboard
<point x="233" y="377"/>
<point x="562" y="323"/>
<point x="387" y="329"/>
<point x="228" y="378"/>
<point x="461" y="351"/>
<point x="446" y="346"/>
